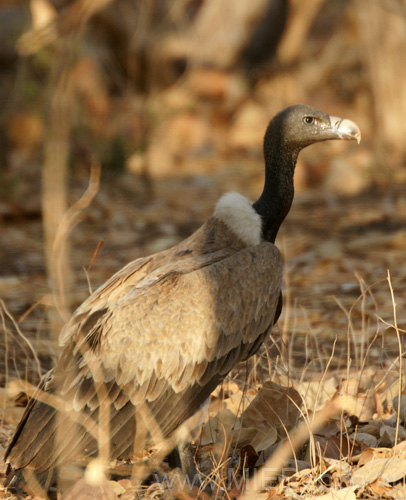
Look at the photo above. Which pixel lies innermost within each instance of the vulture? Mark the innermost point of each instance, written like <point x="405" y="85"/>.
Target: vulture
<point x="141" y="356"/>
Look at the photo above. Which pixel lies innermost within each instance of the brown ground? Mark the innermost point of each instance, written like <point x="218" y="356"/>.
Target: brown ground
<point x="334" y="248"/>
<point x="344" y="241"/>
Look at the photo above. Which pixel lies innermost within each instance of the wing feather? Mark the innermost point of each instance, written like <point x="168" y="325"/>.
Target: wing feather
<point x="168" y="331"/>
<point x="193" y="317"/>
<point x="164" y="332"/>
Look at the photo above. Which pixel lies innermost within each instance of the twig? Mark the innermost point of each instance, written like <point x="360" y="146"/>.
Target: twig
<point x="18" y="330"/>
<point x="395" y="324"/>
<point x="69" y="220"/>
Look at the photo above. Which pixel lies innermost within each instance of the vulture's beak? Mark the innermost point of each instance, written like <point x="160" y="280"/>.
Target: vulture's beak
<point x="345" y="129"/>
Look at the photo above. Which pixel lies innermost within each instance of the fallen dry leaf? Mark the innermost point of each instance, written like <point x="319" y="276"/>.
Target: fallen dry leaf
<point x="316" y="393"/>
<point x="389" y="470"/>
<point x="371" y="428"/>
<point x="343" y="494"/>
<point x="253" y="420"/>
<point x="84" y="491"/>
<point x="334" y="447"/>
<point x="340" y="466"/>
<point x="380" y="488"/>
<point x="363" y="438"/>
<point x="389" y="434"/>
<point x="371" y="453"/>
<point x="397" y="493"/>
<point x="117" y="487"/>
<point x="275" y="406"/>
<point x="401" y="409"/>
<point x="401" y="447"/>
<point x="361" y="406"/>
<point x="224" y="418"/>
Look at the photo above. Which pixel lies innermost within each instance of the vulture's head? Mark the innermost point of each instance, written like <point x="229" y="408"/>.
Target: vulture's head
<point x="299" y="126"/>
<point x="287" y="134"/>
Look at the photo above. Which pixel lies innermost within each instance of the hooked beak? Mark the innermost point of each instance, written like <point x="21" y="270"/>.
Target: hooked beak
<point x="345" y="129"/>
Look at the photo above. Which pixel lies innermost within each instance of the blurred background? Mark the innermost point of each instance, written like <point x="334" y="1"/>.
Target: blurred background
<point x="163" y="104"/>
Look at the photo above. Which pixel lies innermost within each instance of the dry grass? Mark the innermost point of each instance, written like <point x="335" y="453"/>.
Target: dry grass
<point x="223" y="466"/>
<point x="307" y="353"/>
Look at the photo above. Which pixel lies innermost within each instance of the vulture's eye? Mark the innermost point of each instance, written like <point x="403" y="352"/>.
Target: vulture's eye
<point x="309" y="120"/>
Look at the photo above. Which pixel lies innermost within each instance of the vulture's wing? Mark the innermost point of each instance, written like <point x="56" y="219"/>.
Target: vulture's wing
<point x="164" y="346"/>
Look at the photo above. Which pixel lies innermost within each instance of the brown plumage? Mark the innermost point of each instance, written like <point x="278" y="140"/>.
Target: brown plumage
<point x="155" y="340"/>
